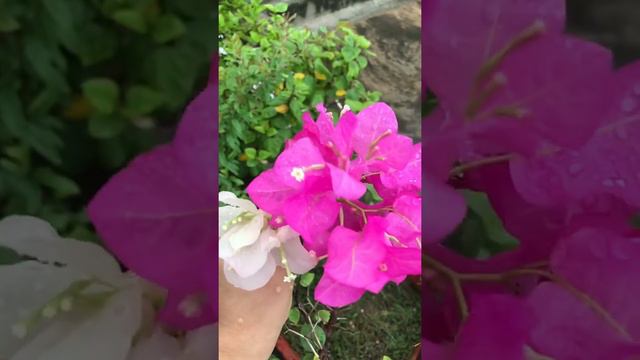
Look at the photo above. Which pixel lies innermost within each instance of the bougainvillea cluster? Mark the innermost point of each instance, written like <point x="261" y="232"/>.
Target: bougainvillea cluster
<point x="541" y="122"/>
<point x="316" y="187"/>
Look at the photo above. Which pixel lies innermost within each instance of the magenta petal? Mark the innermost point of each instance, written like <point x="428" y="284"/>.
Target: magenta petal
<point x="194" y="143"/>
<point x="343" y="133"/>
<point x="408" y="178"/>
<point x="269" y="193"/>
<point x="345" y="186"/>
<point x="608" y="163"/>
<point x="310" y="214"/>
<point x="373" y="122"/>
<point x="332" y="293"/>
<point x="155" y="221"/>
<point x="497" y="328"/>
<point x="355" y="258"/>
<point x="460" y="36"/>
<point x="393" y="152"/>
<point x="444" y="210"/>
<point x="403" y="261"/>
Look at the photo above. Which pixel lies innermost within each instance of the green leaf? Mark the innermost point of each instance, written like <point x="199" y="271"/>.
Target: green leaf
<point x="131" y="19"/>
<point x="307" y="279"/>
<point x="250" y="152"/>
<point x="481" y="234"/>
<point x="102" y="94"/>
<point x="320" y="335"/>
<point x="8" y="24"/>
<point x="103" y="126"/>
<point x="277" y="8"/>
<point x="385" y="357"/>
<point x="294" y="315"/>
<point x="479" y="203"/>
<point x="142" y="100"/>
<point x="61" y="185"/>
<point x="324" y="316"/>
<point x="168" y="27"/>
<point x="350" y="53"/>
<point x="264" y="155"/>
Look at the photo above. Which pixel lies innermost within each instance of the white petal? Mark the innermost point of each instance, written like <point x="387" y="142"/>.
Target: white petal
<point x="258" y="280"/>
<point x="250" y="259"/>
<point x="199" y="345"/>
<point x="105" y="335"/>
<point x="299" y="259"/>
<point x="159" y="346"/>
<point x="230" y="198"/>
<point x="36" y="238"/>
<point x="225" y="215"/>
<point x="24" y="288"/>
<point x="244" y="234"/>
<point x="286" y="233"/>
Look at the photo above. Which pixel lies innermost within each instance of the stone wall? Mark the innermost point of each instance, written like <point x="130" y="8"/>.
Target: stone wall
<point x="393" y="27"/>
<point x="396" y="70"/>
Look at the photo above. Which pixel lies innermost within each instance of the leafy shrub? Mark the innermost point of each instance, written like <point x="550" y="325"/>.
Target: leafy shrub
<point x="85" y="86"/>
<point x="271" y="72"/>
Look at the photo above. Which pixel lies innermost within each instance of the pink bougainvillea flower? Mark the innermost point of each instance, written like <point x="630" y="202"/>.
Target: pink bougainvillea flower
<point x="316" y="187"/>
<point x="366" y="260"/>
<point x="354" y="258"/>
<point x="158" y="215"/>
<point x="334" y="293"/>
<point x="504" y="62"/>
<point x="405" y="222"/>
<point x="607" y="164"/>
<point x="408" y="178"/>
<point x="498" y="327"/>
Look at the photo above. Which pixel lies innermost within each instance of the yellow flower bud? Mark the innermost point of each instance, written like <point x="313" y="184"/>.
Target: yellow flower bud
<point x="341" y="93"/>
<point x="298" y="76"/>
<point x="320" y="76"/>
<point x="282" y="109"/>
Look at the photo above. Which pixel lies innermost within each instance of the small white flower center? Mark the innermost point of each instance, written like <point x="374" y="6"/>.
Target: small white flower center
<point x="298" y="174"/>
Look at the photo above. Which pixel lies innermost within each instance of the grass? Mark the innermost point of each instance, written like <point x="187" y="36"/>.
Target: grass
<point x="377" y="325"/>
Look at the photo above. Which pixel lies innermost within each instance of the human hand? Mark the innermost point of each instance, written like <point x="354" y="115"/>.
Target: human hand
<point x="251" y="321"/>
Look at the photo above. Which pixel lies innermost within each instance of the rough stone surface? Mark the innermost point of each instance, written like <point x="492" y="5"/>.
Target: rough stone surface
<point x="395" y="71"/>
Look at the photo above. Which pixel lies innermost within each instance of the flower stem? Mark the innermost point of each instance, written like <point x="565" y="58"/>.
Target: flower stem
<point x="462" y="168"/>
<point x="533" y="269"/>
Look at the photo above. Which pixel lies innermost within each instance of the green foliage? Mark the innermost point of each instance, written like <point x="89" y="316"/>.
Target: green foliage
<point x="482" y="233"/>
<point x="270" y="74"/>
<point x="85" y="86"/>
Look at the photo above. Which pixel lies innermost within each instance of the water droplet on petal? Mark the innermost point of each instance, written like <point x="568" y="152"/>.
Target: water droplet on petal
<point x="621" y="183"/>
<point x="575" y="169"/>
<point x="628" y="104"/>
<point x="608" y="183"/>
<point x="620" y="252"/>
<point x="598" y="248"/>
<point x="621" y="132"/>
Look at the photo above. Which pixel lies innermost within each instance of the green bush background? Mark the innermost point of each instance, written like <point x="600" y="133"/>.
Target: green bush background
<point x="85" y="86"/>
<point x="266" y="65"/>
